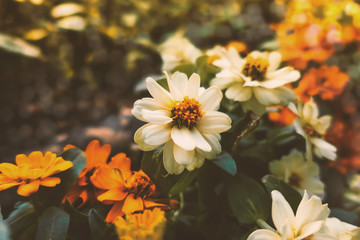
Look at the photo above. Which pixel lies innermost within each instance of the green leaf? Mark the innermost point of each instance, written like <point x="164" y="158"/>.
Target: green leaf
<point x="270" y="45"/>
<point x="205" y="70"/>
<point x="21" y="218"/>
<point x="4" y="229"/>
<point x="291" y="195"/>
<point x="98" y="227"/>
<point x="187" y="68"/>
<point x="225" y="162"/>
<point x="19" y="46"/>
<point x="76" y="216"/>
<point x="185" y="180"/>
<point x="53" y="224"/>
<point x="248" y="200"/>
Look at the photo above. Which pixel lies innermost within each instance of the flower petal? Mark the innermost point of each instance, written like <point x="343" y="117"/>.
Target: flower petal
<point x="210" y="99"/>
<point x="171" y="166"/>
<point x="145" y="103"/>
<point x="9" y="170"/>
<point x="200" y="141"/>
<point x="193" y="86"/>
<point x="157" y="116"/>
<point x="274" y="59"/>
<point x="139" y="139"/>
<point x="214" y="122"/>
<point x="281" y="210"/>
<point x="161" y="96"/>
<point x="132" y="204"/>
<point x="238" y="92"/>
<point x="115" y="212"/>
<point x="309" y="229"/>
<point x="26" y="189"/>
<point x="154" y="134"/>
<point x="114" y="194"/>
<point x="263" y="234"/>
<point x="183" y="156"/>
<point x="50" y="181"/>
<point x="183" y="138"/>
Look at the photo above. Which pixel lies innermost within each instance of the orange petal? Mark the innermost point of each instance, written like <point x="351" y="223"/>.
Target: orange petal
<point x="106" y="178"/>
<point x="25" y="189"/>
<point x="96" y="154"/>
<point x="9" y="170"/>
<point x="115" y="194"/>
<point x="123" y="163"/>
<point x="150" y="204"/>
<point x="69" y="146"/>
<point x="50" y="181"/>
<point x="84" y="197"/>
<point x="36" y="159"/>
<point x="4" y="186"/>
<point x="21" y="159"/>
<point x="116" y="211"/>
<point x="132" y="204"/>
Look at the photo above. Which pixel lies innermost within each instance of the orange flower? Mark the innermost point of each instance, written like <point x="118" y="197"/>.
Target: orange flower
<point x="129" y="191"/>
<point x="324" y="81"/>
<point x="31" y="172"/>
<point x="147" y="225"/>
<point x="282" y="117"/>
<point x="239" y="46"/>
<point x="96" y="156"/>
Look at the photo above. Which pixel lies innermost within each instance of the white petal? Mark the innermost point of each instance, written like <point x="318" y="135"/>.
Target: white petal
<point x="193" y="86"/>
<point x="170" y="164"/>
<point x="154" y="134"/>
<point x="183" y="138"/>
<point x="177" y="85"/>
<point x="162" y="96"/>
<point x="157" y="117"/>
<point x="214" y="122"/>
<point x="267" y="97"/>
<point x="280" y="77"/>
<point x="323" y="148"/>
<point x="145" y="103"/>
<point x="274" y="61"/>
<point x="325" y="121"/>
<point x="197" y="162"/>
<point x="239" y="93"/>
<point x="286" y="232"/>
<point x="210" y="99"/>
<point x="139" y="139"/>
<point x="263" y="234"/>
<point x="215" y="146"/>
<point x="309" y="229"/>
<point x="281" y="210"/>
<point x="199" y="140"/>
<point x="182" y="156"/>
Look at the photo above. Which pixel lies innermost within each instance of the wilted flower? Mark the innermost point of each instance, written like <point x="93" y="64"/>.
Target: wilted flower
<point x="177" y="50"/>
<point x="255" y="80"/>
<point x="327" y="82"/>
<point x="298" y="173"/>
<point x="32" y="171"/>
<point x="313" y="129"/>
<point x="141" y="226"/>
<point x="129" y="191"/>
<point x="309" y="219"/>
<point x="96" y="156"/>
<point x="184" y="119"/>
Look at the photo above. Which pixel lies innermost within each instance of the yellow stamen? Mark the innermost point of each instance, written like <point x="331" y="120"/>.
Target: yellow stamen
<point x="186" y="113"/>
<point x="255" y="67"/>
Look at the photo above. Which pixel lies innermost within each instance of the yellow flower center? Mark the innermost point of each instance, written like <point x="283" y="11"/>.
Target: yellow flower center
<point x="255" y="68"/>
<point x="140" y="185"/>
<point x="186" y="113"/>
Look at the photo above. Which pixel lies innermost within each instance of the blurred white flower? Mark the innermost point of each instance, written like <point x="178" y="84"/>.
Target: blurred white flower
<point x="309" y="219"/>
<point x="184" y="119"/>
<point x="299" y="173"/>
<point x="255" y="80"/>
<point x="313" y="129"/>
<point x="334" y="229"/>
<point x="176" y="50"/>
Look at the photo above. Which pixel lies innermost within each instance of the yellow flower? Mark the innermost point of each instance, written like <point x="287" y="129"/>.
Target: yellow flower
<point x="147" y="225"/>
<point x="32" y="171"/>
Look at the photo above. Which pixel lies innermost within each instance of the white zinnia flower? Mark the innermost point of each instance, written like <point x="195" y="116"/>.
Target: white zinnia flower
<point x="309" y="219"/>
<point x="255" y="80"/>
<point x="176" y="50"/>
<point x="299" y="173"/>
<point x="313" y="129"/>
<point x="334" y="229"/>
<point x="184" y="119"/>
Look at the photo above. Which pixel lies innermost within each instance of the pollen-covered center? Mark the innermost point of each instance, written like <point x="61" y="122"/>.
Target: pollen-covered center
<point x="255" y="68"/>
<point x="140" y="185"/>
<point x="186" y="113"/>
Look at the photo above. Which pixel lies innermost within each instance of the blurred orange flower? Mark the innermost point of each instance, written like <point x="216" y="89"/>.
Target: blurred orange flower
<point x="324" y="81"/>
<point x="239" y="46"/>
<point x="96" y="155"/>
<point x="282" y="116"/>
<point x="32" y="171"/>
<point x="129" y="191"/>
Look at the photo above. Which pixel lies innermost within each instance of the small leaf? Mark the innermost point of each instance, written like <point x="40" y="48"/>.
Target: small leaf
<point x="225" y="162"/>
<point x="185" y="180"/>
<point x="290" y="194"/>
<point x="19" y="46"/>
<point x="21" y="218"/>
<point x="248" y="200"/>
<point x="205" y="70"/>
<point x="187" y="68"/>
<point x="53" y="224"/>
<point x="98" y="227"/>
